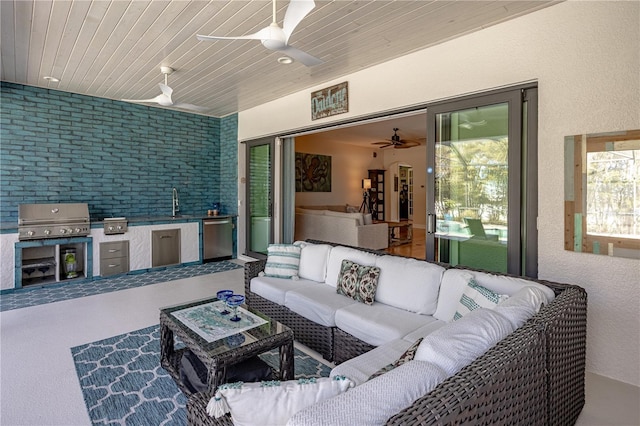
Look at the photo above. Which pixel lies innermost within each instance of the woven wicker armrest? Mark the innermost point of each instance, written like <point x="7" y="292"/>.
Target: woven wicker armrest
<point x="565" y="324"/>
<point x="506" y="385"/>
<point x="251" y="270"/>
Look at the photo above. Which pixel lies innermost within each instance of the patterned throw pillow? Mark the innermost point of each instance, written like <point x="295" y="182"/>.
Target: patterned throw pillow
<point x="283" y="261"/>
<point x="476" y="296"/>
<point x="407" y="356"/>
<point x="358" y="282"/>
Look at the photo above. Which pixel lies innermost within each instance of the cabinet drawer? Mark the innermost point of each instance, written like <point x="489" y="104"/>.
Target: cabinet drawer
<point x="114" y="249"/>
<point x="114" y="266"/>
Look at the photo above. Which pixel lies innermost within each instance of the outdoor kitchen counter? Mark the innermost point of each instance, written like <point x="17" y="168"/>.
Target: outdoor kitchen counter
<point x="154" y="220"/>
<point x="98" y="222"/>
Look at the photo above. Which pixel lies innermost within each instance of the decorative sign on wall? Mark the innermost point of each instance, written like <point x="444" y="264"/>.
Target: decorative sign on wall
<point x="313" y="172"/>
<point x="330" y="101"/>
<point x="602" y="194"/>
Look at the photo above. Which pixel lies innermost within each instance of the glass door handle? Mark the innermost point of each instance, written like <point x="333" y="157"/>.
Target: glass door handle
<point x="431" y="223"/>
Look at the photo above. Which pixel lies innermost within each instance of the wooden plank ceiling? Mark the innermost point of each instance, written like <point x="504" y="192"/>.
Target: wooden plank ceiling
<point x="114" y="49"/>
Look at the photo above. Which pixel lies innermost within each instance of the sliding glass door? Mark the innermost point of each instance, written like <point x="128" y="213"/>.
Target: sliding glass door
<point x="476" y="149"/>
<point x="259" y="202"/>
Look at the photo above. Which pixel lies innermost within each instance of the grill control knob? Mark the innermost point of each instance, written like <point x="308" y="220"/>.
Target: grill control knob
<point x="111" y="228"/>
<point x="47" y="232"/>
<point x="119" y="227"/>
<point x="77" y="230"/>
<point x="30" y="233"/>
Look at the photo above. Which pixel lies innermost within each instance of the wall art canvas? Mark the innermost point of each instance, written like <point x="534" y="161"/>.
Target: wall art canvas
<point x="313" y="172"/>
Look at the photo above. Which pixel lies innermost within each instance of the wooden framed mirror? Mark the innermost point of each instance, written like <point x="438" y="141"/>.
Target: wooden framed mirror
<point x="602" y="193"/>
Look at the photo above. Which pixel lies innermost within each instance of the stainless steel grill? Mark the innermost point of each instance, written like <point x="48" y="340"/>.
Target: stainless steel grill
<point x="43" y="221"/>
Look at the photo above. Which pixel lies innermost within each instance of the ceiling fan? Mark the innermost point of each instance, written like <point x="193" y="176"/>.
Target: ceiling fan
<point x="164" y="99"/>
<point x="396" y="142"/>
<point x="275" y="38"/>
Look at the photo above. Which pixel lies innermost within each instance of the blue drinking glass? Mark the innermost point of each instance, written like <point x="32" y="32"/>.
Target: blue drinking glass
<point x="233" y="302"/>
<point x="223" y="295"/>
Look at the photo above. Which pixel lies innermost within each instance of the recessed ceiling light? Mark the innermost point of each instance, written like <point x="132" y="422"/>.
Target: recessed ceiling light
<point x="285" y="60"/>
<point x="51" y="79"/>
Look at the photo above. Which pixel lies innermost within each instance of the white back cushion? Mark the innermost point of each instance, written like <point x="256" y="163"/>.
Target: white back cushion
<point x="313" y="261"/>
<point x="454" y="282"/>
<point x="459" y="343"/>
<point x="408" y="284"/>
<point x="522" y="305"/>
<point x="357" y="216"/>
<point x="338" y="254"/>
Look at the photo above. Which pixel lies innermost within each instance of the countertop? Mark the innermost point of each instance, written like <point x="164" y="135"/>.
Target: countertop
<point x="98" y="222"/>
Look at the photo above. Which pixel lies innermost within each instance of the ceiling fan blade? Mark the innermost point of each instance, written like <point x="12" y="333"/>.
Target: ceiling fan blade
<point x="166" y="90"/>
<point x="300" y="56"/>
<point x="406" y="144"/>
<point x="189" y="106"/>
<point x="296" y="12"/>
<point x="260" y="35"/>
<point x="381" y="143"/>
<point x="157" y="100"/>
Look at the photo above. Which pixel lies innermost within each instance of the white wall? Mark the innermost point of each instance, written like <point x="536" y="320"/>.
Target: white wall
<point x="415" y="157"/>
<point x="586" y="59"/>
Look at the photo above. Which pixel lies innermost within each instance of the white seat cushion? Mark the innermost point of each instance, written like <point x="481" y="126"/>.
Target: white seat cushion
<point x="378" y="324"/>
<point x="374" y="402"/>
<point x="317" y="303"/>
<point x="338" y="254"/>
<point x="425" y="330"/>
<point x="454" y="281"/>
<point x="274" y="289"/>
<point x="360" y="368"/>
<point x="408" y="284"/>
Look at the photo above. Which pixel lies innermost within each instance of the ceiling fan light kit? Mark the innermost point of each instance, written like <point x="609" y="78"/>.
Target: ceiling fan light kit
<point x="285" y="60"/>
<point x="275" y="38"/>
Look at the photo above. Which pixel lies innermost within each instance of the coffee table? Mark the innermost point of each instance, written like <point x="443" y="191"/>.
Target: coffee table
<point x="218" y="355"/>
<point x="395" y="232"/>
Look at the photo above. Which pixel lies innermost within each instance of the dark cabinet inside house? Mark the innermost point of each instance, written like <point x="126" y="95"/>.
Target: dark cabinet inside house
<point x="377" y="194"/>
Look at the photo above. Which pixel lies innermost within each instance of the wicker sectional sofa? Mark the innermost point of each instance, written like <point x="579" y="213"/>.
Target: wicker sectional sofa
<point x="535" y="375"/>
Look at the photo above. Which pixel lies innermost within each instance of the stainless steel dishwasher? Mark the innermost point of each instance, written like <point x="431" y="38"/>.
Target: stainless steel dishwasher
<point x="217" y="239"/>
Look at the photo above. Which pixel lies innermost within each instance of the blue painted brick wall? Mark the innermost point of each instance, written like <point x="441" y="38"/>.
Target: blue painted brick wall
<point x="122" y="159"/>
<point x="228" y="164"/>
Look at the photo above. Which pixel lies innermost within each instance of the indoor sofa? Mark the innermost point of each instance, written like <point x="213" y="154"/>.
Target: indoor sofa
<point x="533" y="375"/>
<point x="341" y="227"/>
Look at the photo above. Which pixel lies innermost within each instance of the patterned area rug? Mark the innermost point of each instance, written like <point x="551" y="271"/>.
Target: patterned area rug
<point x="123" y="384"/>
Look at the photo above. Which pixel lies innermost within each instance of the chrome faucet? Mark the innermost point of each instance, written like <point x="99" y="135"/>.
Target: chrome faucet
<point x="175" y="203"/>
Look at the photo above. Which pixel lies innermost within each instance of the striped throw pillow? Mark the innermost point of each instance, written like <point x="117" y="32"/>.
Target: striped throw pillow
<point x="476" y="296"/>
<point x="283" y="261"/>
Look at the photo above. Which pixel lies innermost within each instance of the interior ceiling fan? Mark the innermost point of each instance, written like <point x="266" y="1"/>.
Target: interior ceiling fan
<point x="164" y="99"/>
<point x="275" y="38"/>
<point x="396" y="142"/>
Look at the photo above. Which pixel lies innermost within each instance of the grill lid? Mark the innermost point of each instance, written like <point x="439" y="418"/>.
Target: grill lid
<point x="33" y="214"/>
